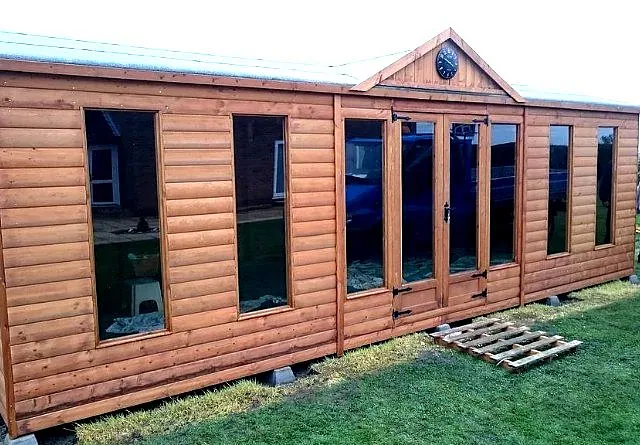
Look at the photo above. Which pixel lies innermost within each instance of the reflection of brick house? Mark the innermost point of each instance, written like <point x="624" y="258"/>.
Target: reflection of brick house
<point x="136" y="178"/>
<point x="254" y="153"/>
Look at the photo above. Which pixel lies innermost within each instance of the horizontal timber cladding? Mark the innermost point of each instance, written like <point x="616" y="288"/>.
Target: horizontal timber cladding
<point x="584" y="264"/>
<point x="57" y="371"/>
<point x="60" y="373"/>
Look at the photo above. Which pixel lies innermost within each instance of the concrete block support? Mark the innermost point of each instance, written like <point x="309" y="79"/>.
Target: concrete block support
<point x="29" y="439"/>
<point x="281" y="376"/>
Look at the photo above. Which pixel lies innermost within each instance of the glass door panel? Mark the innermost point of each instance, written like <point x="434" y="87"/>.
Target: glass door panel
<point x="417" y="201"/>
<point x="463" y="197"/>
<point x="364" y="204"/>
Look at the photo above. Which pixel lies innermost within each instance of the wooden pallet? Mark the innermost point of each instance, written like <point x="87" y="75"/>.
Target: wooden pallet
<point x="515" y="348"/>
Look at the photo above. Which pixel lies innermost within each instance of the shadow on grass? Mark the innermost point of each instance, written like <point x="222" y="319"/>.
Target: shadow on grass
<point x="591" y="397"/>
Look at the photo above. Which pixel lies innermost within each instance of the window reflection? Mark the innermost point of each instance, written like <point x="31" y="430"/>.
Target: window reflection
<point x="417" y="200"/>
<point x="503" y="193"/>
<point x="259" y="162"/>
<point x="463" y="195"/>
<point x="559" y="136"/>
<point x="126" y="232"/>
<point x="364" y="204"/>
<point x="606" y="137"/>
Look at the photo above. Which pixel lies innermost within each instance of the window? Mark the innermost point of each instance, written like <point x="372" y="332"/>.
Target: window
<point x="125" y="215"/>
<point x="417" y="200"/>
<point x="604" y="184"/>
<point x="502" y="193"/>
<point x="364" y="204"/>
<point x="558" y="215"/>
<point x="103" y="171"/>
<point x="261" y="225"/>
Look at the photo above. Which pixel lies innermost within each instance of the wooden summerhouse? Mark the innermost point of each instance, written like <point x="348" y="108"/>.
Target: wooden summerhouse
<point x="166" y="226"/>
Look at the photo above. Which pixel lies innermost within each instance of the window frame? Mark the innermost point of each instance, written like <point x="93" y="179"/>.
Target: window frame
<point x="567" y="241"/>
<point x="278" y="151"/>
<point x="435" y="272"/>
<point x="163" y="242"/>
<point x="115" y="178"/>
<point x="286" y="119"/>
<point x="386" y="226"/>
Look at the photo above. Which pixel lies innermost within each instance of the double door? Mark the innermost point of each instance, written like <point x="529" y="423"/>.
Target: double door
<point x="438" y="182"/>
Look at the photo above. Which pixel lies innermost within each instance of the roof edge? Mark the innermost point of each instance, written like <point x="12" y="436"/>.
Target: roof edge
<point x="77" y="70"/>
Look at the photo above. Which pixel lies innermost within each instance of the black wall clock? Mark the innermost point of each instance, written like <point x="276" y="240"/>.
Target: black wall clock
<point x="447" y="62"/>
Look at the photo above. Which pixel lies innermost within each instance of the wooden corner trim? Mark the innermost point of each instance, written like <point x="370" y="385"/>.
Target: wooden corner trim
<point x="6" y="352"/>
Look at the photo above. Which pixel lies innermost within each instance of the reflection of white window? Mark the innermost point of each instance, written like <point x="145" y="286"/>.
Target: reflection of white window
<point x="363" y="158"/>
<point x="278" y="170"/>
<point x="103" y="173"/>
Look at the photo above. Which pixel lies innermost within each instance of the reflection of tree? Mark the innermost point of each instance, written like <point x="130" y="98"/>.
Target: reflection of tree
<point x="606" y="139"/>
<point x="604" y="185"/>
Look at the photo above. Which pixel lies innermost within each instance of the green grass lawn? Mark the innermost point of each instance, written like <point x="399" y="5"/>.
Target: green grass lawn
<point x="409" y="391"/>
<point x="637" y="249"/>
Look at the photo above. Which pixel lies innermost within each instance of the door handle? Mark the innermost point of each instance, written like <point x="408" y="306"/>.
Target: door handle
<point x="447" y="212"/>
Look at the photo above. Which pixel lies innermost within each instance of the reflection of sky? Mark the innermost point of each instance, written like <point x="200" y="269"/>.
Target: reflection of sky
<point x="501" y="134"/>
<point x="559" y="135"/>
<point x="424" y="128"/>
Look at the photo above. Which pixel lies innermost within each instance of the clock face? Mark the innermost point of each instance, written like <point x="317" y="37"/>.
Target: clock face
<point x="447" y="62"/>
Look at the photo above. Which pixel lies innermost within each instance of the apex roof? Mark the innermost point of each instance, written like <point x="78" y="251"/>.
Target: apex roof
<point x="412" y="71"/>
<point x="416" y="69"/>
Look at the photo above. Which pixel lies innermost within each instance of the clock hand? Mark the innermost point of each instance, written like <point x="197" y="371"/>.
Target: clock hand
<point x="450" y="64"/>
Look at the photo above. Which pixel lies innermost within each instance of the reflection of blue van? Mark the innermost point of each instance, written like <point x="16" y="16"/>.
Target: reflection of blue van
<point x="364" y="198"/>
<point x="363" y="182"/>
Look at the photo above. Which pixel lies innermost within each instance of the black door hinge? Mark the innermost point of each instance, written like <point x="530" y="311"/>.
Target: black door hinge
<point x="397" y="290"/>
<point x="396" y="117"/>
<point x="482" y="294"/>
<point x="485" y="121"/>
<point x="482" y="274"/>
<point x="447" y="212"/>
<point x="396" y="314"/>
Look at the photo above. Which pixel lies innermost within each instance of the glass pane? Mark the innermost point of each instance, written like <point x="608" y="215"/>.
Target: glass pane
<point x="126" y="237"/>
<point x="363" y="195"/>
<point x="102" y="193"/>
<point x="463" y="195"/>
<point x="417" y="200"/>
<point x="101" y="164"/>
<point x="606" y="138"/>
<point x="261" y="225"/>
<point x="558" y="188"/>
<point x="503" y="193"/>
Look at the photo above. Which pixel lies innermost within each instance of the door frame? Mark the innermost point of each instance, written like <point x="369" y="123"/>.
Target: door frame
<point x="482" y="206"/>
<point x="395" y="217"/>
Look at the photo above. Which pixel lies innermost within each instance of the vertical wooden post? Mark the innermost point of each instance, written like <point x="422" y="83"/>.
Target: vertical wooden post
<point x="393" y="215"/>
<point x="484" y="189"/>
<point x="522" y="211"/>
<point x="6" y="351"/>
<point x="162" y="215"/>
<point x="445" y="182"/>
<point x="341" y="251"/>
<point x="440" y="260"/>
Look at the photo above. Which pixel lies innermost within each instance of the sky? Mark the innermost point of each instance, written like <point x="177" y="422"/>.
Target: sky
<point x="584" y="48"/>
